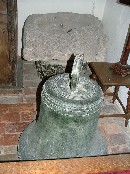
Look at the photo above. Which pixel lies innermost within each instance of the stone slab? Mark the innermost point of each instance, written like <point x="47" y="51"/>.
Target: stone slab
<point x="54" y="37"/>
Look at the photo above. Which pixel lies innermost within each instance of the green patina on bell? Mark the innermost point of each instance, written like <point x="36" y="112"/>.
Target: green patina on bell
<point x="67" y="123"/>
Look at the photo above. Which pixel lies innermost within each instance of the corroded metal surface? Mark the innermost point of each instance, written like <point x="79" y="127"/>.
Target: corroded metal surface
<point x="67" y="124"/>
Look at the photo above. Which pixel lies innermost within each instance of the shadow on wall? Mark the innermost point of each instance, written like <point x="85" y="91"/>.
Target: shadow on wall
<point x="38" y="96"/>
<point x="68" y="69"/>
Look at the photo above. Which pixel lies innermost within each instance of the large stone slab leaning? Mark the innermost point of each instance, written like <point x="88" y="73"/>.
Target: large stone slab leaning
<point x="54" y="37"/>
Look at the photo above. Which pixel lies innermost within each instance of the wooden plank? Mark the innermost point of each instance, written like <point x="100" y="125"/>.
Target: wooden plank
<point x="4" y="51"/>
<point x="69" y="166"/>
<point x="3" y="4"/>
<point x="8" y="42"/>
<point x="12" y="38"/>
<point x="114" y="115"/>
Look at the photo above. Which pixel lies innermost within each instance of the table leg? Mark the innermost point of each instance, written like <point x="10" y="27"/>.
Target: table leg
<point x="128" y="109"/>
<point x="115" y="94"/>
<point x="128" y="102"/>
<point x="104" y="88"/>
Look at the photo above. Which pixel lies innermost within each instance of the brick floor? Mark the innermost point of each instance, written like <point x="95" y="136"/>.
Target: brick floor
<point x="22" y="110"/>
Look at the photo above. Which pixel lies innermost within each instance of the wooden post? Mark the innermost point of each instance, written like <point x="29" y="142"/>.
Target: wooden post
<point x="12" y="37"/>
<point x="121" y="67"/>
<point x="8" y="43"/>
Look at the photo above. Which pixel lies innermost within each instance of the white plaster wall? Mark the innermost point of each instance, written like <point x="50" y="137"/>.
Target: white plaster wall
<point x="99" y="8"/>
<point x="116" y="20"/>
<point x="27" y="7"/>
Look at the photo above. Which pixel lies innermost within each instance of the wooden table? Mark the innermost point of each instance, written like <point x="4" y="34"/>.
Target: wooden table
<point x="106" y="78"/>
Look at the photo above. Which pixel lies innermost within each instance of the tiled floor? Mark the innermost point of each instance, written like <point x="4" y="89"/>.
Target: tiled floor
<point x="113" y="129"/>
<point x="116" y="134"/>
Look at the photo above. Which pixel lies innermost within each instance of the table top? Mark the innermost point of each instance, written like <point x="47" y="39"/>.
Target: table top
<point x="107" y="76"/>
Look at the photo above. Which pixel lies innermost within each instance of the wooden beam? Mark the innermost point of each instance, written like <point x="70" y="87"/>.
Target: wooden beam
<point x="112" y="163"/>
